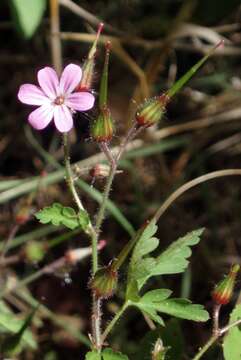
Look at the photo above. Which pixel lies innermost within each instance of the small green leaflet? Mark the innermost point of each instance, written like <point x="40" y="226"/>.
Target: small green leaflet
<point x="93" y="355"/>
<point x="145" y="244"/>
<point x="58" y="214"/>
<point x="172" y="261"/>
<point x="27" y="15"/>
<point x="232" y="341"/>
<point x="107" y="354"/>
<point x="158" y="301"/>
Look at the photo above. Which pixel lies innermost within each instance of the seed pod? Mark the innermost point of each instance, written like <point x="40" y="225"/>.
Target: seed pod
<point x="102" y="128"/>
<point x="223" y="291"/>
<point x="104" y="282"/>
<point x="152" y="110"/>
<point x="89" y="64"/>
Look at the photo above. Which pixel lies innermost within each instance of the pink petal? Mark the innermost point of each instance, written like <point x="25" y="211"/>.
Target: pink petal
<point x="32" y="95"/>
<point x="80" y="101"/>
<point x="49" y="82"/>
<point x="70" y="78"/>
<point x="41" y="117"/>
<point x="63" y="118"/>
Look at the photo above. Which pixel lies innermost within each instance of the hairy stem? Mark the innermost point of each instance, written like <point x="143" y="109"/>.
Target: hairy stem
<point x="133" y="131"/>
<point x="216" y="312"/>
<point x="101" y="212"/>
<point x="203" y="349"/>
<point x="96" y="322"/>
<point x="214" y="338"/>
<point x="69" y="175"/>
<point x="96" y="317"/>
<point x="113" y="322"/>
<point x="70" y="182"/>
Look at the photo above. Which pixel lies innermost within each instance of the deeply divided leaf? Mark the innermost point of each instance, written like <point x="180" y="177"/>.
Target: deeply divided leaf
<point x="139" y="265"/>
<point x="172" y="261"/>
<point x="158" y="301"/>
<point x="58" y="214"/>
<point x="107" y="354"/>
<point x="232" y="341"/>
<point x="93" y="355"/>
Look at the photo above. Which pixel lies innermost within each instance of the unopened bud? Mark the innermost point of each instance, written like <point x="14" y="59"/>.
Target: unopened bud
<point x="35" y="251"/>
<point x="104" y="282"/>
<point x="22" y="216"/>
<point x="102" y="128"/>
<point x="152" y="110"/>
<point x="223" y="291"/>
<point x="100" y="170"/>
<point x="89" y="65"/>
<point x="159" y="351"/>
<point x="24" y="210"/>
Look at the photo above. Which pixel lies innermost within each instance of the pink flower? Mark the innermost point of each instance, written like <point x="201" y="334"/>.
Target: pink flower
<point x="56" y="98"/>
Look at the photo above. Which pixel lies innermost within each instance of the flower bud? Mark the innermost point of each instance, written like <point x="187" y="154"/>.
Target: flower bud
<point x="152" y="110"/>
<point x="35" y="251"/>
<point x="24" y="210"/>
<point x="159" y="351"/>
<point x="223" y="291"/>
<point x="104" y="282"/>
<point x="100" y="171"/>
<point x="102" y="128"/>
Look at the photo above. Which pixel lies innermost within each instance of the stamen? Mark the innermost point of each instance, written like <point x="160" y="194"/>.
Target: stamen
<point x="59" y="100"/>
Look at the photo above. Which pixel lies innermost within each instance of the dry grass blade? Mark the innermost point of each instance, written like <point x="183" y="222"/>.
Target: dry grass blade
<point x="84" y="14"/>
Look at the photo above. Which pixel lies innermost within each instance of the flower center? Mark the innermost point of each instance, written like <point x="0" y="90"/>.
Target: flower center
<point x="59" y="100"/>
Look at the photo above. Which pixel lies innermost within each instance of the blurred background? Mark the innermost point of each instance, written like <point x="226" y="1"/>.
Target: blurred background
<point x="153" y="44"/>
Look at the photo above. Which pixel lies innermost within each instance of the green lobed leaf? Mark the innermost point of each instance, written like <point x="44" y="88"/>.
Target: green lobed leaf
<point x="158" y="301"/>
<point x="83" y="218"/>
<point x="139" y="266"/>
<point x="27" y="15"/>
<point x="174" y="259"/>
<point x="93" y="355"/>
<point x="58" y="214"/>
<point x="146" y="243"/>
<point x="109" y="354"/>
<point x="171" y="261"/>
<point x="232" y="341"/>
<point x="184" y="309"/>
